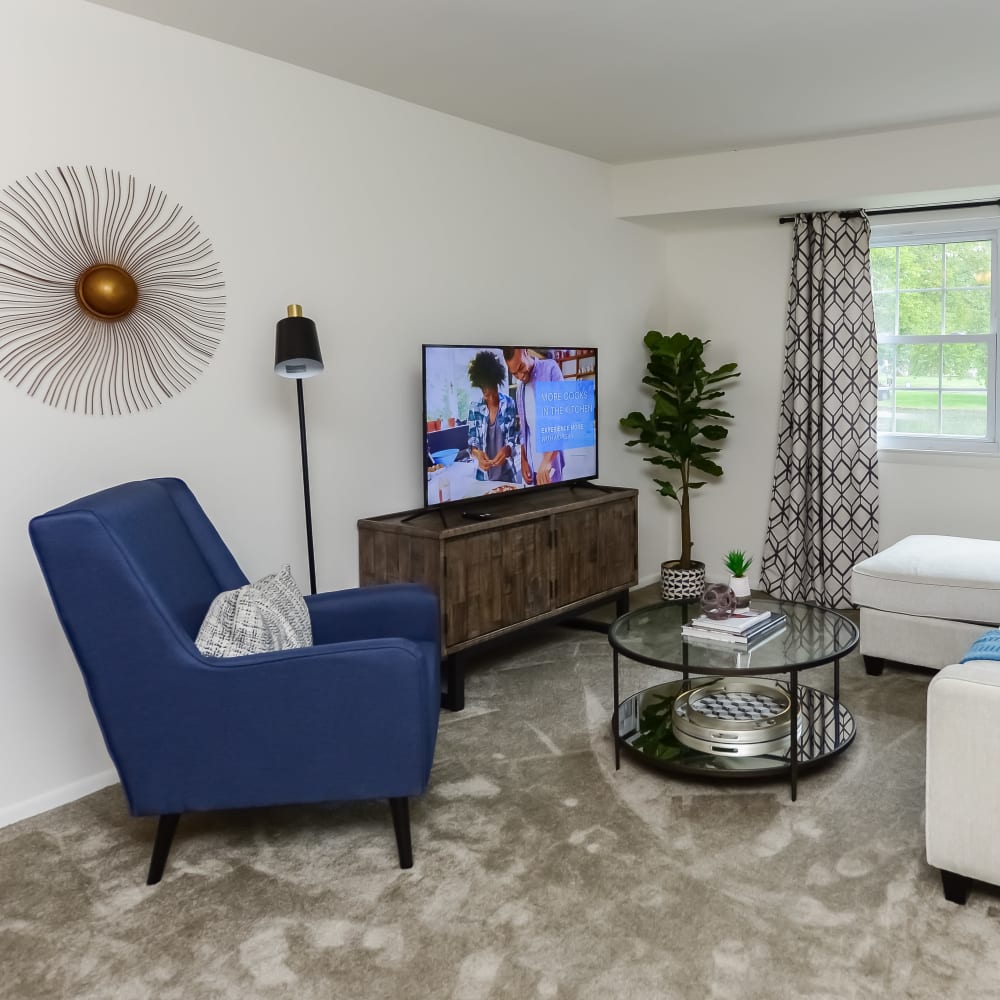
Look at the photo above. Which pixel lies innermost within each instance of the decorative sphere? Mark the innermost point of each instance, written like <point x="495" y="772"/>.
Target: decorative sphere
<point x="718" y="601"/>
<point x="107" y="292"/>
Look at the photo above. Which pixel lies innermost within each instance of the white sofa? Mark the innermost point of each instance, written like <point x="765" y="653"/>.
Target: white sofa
<point x="962" y="826"/>
<point x="926" y="599"/>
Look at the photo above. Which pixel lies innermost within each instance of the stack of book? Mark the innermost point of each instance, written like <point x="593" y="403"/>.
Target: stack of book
<point x="742" y="629"/>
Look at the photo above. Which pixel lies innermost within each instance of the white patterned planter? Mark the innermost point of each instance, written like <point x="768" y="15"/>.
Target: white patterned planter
<point x="682" y="584"/>
<point x="740" y="586"/>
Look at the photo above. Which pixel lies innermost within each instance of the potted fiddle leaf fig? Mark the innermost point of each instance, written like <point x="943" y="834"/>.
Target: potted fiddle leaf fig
<point x="682" y="431"/>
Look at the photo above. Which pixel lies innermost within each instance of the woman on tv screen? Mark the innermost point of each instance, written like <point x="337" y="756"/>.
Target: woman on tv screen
<point x="493" y="423"/>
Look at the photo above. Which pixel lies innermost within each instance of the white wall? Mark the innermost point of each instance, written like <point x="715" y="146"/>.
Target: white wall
<point x="392" y="225"/>
<point x="726" y="284"/>
<point x="726" y="280"/>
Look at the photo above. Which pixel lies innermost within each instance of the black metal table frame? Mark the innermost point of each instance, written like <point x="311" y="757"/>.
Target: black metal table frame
<point x="792" y="671"/>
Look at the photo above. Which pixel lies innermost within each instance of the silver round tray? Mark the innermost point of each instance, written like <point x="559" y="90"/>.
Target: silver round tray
<point x="734" y="717"/>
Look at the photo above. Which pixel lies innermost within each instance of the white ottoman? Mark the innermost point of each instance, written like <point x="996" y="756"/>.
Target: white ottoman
<point x="926" y="599"/>
<point x="963" y="758"/>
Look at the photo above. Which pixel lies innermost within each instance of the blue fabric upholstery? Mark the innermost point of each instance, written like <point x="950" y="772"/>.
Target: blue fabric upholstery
<point x="132" y="571"/>
<point x="986" y="647"/>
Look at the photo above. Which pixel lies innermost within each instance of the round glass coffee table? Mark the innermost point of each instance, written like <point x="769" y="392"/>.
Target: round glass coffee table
<point x="643" y="723"/>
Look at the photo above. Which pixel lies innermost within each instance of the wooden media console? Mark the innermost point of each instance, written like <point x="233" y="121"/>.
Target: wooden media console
<point x="536" y="556"/>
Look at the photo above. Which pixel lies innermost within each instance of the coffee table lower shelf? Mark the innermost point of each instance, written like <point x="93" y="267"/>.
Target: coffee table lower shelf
<point x="644" y="730"/>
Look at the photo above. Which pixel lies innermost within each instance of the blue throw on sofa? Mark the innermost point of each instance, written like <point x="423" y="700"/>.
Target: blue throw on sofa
<point x="986" y="647"/>
<point x="132" y="571"/>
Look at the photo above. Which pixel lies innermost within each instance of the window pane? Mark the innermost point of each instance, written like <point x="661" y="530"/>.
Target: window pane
<point x="883" y="269"/>
<point x="917" y="411"/>
<point x="964" y="365"/>
<point x="885" y="313"/>
<point x="886" y="362"/>
<point x="920" y="312"/>
<point x="921" y="266"/>
<point x="918" y="366"/>
<point x="886" y="403"/>
<point x="967" y="311"/>
<point x="967" y="263"/>
<point x="964" y="413"/>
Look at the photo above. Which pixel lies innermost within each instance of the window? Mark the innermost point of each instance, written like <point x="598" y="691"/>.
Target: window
<point x="936" y="322"/>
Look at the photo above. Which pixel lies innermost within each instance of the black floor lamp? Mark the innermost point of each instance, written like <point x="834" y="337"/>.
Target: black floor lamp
<point x="297" y="356"/>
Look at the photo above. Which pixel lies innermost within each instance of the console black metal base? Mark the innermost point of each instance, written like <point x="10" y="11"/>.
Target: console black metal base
<point x="453" y="669"/>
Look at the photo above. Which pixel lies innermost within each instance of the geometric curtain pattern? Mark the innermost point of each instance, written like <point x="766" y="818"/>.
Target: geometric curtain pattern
<point x="823" y="516"/>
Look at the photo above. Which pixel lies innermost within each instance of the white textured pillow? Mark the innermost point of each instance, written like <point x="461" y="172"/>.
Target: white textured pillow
<point x="261" y="617"/>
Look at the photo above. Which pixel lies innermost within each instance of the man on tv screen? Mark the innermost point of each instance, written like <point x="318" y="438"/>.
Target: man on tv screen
<point x="538" y="467"/>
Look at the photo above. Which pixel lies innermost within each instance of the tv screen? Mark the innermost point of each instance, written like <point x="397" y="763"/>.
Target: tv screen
<point x="499" y="419"/>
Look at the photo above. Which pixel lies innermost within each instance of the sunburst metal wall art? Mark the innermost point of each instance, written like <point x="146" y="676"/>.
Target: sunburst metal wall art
<point x="110" y="301"/>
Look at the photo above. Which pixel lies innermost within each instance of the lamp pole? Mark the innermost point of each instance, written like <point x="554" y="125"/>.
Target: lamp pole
<point x="305" y="488"/>
<point x="297" y="356"/>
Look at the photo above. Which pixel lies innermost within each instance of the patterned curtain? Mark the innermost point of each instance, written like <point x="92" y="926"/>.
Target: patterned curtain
<point x="823" y="516"/>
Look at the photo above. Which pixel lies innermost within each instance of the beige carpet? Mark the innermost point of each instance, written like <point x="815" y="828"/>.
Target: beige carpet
<point x="540" y="872"/>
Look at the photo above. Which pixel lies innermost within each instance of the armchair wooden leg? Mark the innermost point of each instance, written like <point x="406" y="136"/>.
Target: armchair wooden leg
<point x="161" y="846"/>
<point x="401" y="824"/>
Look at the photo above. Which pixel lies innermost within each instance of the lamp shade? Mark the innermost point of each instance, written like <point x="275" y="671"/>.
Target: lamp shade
<point x="296" y="346"/>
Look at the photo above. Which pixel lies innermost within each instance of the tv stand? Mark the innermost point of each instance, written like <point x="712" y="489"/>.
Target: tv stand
<point x="543" y="556"/>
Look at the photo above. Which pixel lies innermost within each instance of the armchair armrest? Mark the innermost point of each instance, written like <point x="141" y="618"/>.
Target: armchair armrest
<point x="394" y="610"/>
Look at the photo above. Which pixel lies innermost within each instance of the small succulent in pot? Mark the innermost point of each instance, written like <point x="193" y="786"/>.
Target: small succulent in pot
<point x="737" y="562"/>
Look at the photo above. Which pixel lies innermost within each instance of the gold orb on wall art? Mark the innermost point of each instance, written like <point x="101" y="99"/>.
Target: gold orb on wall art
<point x="110" y="300"/>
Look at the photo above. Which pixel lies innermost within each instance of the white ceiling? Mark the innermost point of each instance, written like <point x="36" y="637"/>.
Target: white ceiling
<point x="628" y="80"/>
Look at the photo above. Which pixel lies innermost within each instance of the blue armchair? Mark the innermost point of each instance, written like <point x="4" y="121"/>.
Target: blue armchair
<point x="132" y="571"/>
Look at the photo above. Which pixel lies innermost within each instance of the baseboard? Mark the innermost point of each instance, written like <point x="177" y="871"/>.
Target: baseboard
<point x="57" y="797"/>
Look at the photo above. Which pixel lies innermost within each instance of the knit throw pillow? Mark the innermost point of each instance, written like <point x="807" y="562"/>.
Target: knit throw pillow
<point x="261" y="617"/>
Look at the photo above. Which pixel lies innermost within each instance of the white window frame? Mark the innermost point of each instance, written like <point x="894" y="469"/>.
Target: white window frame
<point x="914" y="233"/>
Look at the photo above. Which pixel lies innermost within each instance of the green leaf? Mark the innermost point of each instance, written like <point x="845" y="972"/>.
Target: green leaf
<point x="721" y="374"/>
<point x="714" y="432"/>
<point x="667" y="489"/>
<point x="708" y="467"/>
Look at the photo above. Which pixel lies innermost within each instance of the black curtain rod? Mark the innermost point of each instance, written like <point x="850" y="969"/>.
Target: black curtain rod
<point x="913" y="208"/>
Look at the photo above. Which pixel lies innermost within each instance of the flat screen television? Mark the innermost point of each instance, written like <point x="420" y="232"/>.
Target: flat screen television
<point x="500" y="419"/>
